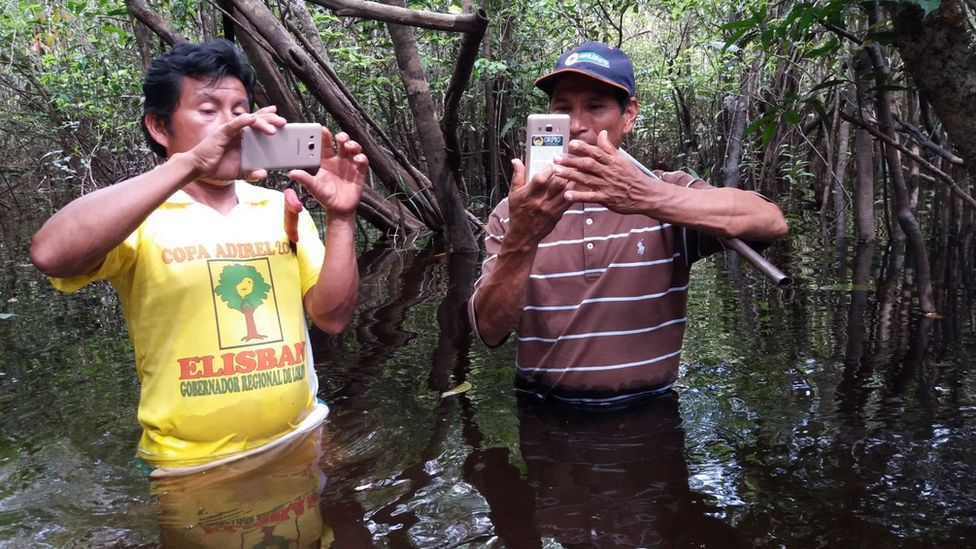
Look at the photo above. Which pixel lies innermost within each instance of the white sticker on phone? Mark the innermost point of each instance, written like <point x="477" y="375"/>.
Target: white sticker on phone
<point x="544" y="148"/>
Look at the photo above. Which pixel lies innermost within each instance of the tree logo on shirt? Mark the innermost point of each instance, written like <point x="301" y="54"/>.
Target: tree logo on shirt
<point x="245" y="300"/>
<point x="243" y="289"/>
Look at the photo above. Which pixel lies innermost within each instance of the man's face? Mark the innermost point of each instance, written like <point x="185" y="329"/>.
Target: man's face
<point x="592" y="107"/>
<point x="203" y="106"/>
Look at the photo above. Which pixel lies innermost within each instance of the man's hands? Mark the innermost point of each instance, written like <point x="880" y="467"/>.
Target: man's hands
<point x="612" y="180"/>
<point x="534" y="206"/>
<point x="217" y="157"/>
<point x="338" y="184"/>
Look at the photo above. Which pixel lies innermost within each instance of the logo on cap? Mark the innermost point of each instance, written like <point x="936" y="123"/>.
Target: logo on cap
<point x="587" y="57"/>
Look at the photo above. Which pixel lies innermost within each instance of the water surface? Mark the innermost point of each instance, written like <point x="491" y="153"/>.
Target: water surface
<point x="827" y="415"/>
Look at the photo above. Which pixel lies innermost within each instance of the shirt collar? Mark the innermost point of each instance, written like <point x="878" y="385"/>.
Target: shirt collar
<point x="246" y="193"/>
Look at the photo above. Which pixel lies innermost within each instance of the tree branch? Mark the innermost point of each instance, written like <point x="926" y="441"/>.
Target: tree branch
<point x="467" y="55"/>
<point x="402" y="16"/>
<point x="140" y="10"/>
<point x="924" y="141"/>
<point x="953" y="186"/>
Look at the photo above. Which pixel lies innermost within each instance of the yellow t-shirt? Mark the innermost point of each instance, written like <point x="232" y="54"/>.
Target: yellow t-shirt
<point x="213" y="306"/>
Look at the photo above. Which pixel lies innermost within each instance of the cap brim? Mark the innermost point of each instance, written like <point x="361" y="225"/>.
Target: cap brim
<point x="547" y="82"/>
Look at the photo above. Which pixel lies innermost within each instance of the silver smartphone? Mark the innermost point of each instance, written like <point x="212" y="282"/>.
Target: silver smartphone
<point x="546" y="135"/>
<point x="292" y="146"/>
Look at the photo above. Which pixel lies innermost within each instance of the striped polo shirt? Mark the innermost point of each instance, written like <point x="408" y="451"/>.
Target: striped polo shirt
<point x="606" y="302"/>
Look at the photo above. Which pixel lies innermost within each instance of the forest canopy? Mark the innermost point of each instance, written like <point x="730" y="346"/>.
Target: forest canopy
<point x="860" y="115"/>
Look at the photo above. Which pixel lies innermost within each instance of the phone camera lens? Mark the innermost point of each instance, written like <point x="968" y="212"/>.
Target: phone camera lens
<point x="548" y="127"/>
<point x="311" y="146"/>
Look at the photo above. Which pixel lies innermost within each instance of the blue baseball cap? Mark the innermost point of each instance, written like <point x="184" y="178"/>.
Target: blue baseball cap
<point x="596" y="60"/>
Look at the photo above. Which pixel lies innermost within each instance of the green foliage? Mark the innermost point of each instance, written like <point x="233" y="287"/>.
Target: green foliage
<point x="71" y="74"/>
<point x="241" y="285"/>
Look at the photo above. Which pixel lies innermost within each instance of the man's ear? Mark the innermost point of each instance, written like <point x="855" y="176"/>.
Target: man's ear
<point x="157" y="130"/>
<point x="630" y="114"/>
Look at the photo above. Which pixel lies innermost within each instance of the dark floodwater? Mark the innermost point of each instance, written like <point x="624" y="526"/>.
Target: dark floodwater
<point x="825" y="416"/>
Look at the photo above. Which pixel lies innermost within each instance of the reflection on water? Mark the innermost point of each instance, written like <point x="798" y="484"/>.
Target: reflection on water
<point x="824" y="415"/>
<point x="268" y="500"/>
<point x="605" y="479"/>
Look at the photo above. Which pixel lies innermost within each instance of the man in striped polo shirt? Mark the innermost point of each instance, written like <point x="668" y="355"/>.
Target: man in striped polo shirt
<point x="590" y="259"/>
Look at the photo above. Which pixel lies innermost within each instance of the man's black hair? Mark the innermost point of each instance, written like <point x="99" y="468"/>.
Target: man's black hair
<point x="213" y="60"/>
<point x="623" y="99"/>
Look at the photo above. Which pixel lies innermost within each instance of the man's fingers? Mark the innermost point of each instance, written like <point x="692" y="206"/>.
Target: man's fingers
<point x="293" y="206"/>
<point x="291" y="201"/>
<point x="584" y="196"/>
<point x="268" y="123"/>
<point x="555" y="186"/>
<point x="304" y="178"/>
<point x="256" y="175"/>
<point x="580" y="172"/>
<point x="351" y="148"/>
<point x="234" y="126"/>
<point x="603" y="142"/>
<point x="518" y="176"/>
<point x="328" y="144"/>
<point x="362" y="166"/>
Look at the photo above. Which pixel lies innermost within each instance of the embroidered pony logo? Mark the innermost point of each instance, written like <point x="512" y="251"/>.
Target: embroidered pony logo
<point x="640" y="247"/>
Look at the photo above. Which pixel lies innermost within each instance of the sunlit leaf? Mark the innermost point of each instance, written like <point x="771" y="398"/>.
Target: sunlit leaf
<point x="462" y="388"/>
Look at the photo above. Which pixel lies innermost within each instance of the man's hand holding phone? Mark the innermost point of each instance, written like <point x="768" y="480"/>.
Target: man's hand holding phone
<point x="535" y="198"/>
<point x="338" y="183"/>
<point x="217" y="157"/>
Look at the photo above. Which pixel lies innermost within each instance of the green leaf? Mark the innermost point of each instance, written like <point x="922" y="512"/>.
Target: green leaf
<point x="462" y="388"/>
<point x="768" y="132"/>
<point x="747" y="23"/>
<point x="826" y="84"/>
<point x="735" y="38"/>
<point x="828" y="48"/>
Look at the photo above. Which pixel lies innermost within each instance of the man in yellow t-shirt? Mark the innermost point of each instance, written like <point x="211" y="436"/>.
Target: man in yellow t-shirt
<point x="213" y="290"/>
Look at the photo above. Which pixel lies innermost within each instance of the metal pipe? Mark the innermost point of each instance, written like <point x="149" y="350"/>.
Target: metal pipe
<point x="740" y="247"/>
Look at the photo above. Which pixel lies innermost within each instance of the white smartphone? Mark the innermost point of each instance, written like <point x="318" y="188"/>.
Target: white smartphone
<point x="546" y="135"/>
<point x="292" y="146"/>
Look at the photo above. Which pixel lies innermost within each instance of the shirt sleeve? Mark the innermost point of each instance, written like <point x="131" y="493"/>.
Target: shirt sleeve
<point x="117" y="264"/>
<point x="311" y="251"/>
<point x="494" y="235"/>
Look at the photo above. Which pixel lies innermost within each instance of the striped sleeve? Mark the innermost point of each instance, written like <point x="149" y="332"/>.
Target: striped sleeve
<point x="494" y="235"/>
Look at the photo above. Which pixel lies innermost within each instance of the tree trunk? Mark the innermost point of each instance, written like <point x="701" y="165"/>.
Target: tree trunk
<point x="940" y="55"/>
<point x="459" y="236"/>
<point x="906" y="219"/>
<point x="740" y="117"/>
<point x="838" y="175"/>
<point x="393" y="175"/>
<point x="864" y="186"/>
<point x="467" y="54"/>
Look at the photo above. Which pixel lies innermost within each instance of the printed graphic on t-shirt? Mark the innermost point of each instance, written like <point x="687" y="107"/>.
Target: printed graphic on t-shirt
<point x="245" y="303"/>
